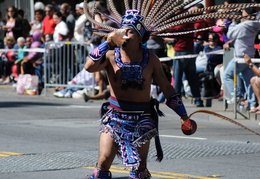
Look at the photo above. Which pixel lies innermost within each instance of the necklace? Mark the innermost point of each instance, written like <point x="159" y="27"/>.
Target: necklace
<point x="131" y="73"/>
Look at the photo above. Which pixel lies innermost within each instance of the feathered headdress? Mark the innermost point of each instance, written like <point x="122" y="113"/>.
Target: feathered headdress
<point x="158" y="17"/>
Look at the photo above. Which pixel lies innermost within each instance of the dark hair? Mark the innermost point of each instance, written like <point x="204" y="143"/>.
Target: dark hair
<point x="20" y="12"/>
<point x="59" y="14"/>
<point x="250" y="10"/>
<point x="41" y="11"/>
<point x="15" y="12"/>
<point x="215" y="36"/>
<point x="200" y="5"/>
<point x="50" y="7"/>
<point x="231" y="1"/>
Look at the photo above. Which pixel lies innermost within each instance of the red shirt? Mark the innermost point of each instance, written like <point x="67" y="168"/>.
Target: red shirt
<point x="184" y="43"/>
<point x="199" y="24"/>
<point x="48" y="25"/>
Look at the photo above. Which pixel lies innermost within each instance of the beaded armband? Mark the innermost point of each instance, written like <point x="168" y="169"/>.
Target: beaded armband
<point x="175" y="103"/>
<point x="99" y="51"/>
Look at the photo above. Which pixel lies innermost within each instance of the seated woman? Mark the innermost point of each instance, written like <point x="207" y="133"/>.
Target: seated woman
<point x="30" y="61"/>
<point x="205" y="66"/>
<point x="21" y="54"/>
<point x="7" y="60"/>
<point x="254" y="81"/>
<point x="214" y="45"/>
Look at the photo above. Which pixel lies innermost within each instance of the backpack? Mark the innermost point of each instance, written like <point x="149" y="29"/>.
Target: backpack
<point x="209" y="85"/>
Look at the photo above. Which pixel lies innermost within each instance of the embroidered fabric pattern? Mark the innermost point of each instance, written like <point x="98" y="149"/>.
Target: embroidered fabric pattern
<point x="140" y="175"/>
<point x="99" y="51"/>
<point x="101" y="173"/>
<point x="129" y="131"/>
<point x="175" y="103"/>
<point x="131" y="73"/>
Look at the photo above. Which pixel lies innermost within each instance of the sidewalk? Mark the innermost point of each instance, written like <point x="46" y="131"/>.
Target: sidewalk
<point x="216" y="106"/>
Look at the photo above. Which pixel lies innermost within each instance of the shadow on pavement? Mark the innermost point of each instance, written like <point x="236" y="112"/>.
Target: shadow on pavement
<point x="14" y="104"/>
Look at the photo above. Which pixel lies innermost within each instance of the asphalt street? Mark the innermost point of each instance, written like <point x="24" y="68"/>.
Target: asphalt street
<point x="45" y="137"/>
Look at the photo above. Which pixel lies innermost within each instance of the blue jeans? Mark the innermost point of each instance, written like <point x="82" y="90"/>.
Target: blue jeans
<point x="187" y="66"/>
<point x="70" y="90"/>
<point x="247" y="74"/>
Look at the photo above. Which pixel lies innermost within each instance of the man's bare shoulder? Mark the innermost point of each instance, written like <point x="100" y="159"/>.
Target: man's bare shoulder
<point x="153" y="58"/>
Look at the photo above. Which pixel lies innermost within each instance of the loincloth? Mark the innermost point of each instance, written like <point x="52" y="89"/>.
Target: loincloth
<point x="130" y="129"/>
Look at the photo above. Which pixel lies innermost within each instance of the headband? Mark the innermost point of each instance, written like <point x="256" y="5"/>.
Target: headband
<point x="132" y="18"/>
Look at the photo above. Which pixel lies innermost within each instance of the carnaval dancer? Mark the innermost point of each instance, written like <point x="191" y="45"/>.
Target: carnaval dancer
<point x="130" y="119"/>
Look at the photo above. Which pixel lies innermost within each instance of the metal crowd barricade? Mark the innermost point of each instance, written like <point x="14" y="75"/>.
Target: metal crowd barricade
<point x="228" y="55"/>
<point x="62" y="62"/>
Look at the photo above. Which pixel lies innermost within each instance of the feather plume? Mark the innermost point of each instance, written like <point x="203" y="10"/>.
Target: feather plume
<point x="93" y="21"/>
<point x="146" y="8"/>
<point x="159" y="16"/>
<point x="134" y="6"/>
<point x="234" y="8"/>
<point x="113" y="9"/>
<point x="127" y="7"/>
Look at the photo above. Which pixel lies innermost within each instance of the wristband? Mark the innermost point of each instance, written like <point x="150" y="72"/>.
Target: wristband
<point x="251" y="65"/>
<point x="99" y="51"/>
<point x="176" y="104"/>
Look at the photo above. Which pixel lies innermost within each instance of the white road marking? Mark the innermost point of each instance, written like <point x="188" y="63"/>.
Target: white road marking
<point x="80" y="106"/>
<point x="183" y="137"/>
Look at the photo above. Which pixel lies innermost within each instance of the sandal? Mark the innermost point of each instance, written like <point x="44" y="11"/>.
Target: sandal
<point x="254" y="110"/>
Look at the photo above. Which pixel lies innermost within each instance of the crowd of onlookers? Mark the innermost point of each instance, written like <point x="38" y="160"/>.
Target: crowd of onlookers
<point x="49" y="24"/>
<point x="190" y="76"/>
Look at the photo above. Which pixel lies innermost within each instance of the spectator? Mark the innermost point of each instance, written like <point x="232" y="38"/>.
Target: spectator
<point x="48" y="25"/>
<point x="31" y="60"/>
<point x="2" y="32"/>
<point x="255" y="81"/>
<point x="61" y="31"/>
<point x="13" y="26"/>
<point x="28" y="41"/>
<point x="205" y="69"/>
<point x="7" y="60"/>
<point x="65" y="9"/>
<point x="93" y="40"/>
<point x="105" y="94"/>
<point x="214" y="45"/>
<point x="26" y="27"/>
<point x="222" y="27"/>
<point x="66" y="56"/>
<point x="210" y="61"/>
<point x="185" y="46"/>
<point x="82" y="78"/>
<point x="36" y="24"/>
<point x="39" y="5"/>
<point x="80" y="23"/>
<point x="104" y="89"/>
<point x="201" y="36"/>
<point x="21" y="54"/>
<point x="244" y="34"/>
